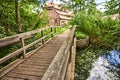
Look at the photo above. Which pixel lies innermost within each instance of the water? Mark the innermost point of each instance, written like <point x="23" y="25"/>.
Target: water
<point x="106" y="67"/>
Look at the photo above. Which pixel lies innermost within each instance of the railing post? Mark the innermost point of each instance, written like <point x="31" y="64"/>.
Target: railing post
<point x="42" y="34"/>
<point x="55" y="29"/>
<point x="33" y="39"/>
<point x="23" y="46"/>
<point x="51" y="31"/>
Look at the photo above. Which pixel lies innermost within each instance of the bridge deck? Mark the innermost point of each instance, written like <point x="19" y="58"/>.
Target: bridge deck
<point x="34" y="67"/>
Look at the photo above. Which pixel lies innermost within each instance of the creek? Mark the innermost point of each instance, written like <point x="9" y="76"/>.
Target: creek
<point x="96" y="65"/>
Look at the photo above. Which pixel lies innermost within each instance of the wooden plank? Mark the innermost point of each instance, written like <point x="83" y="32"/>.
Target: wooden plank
<point x="64" y="66"/>
<point x="41" y="60"/>
<point x="35" y="63"/>
<point x="44" y="55"/>
<point x="11" y="40"/>
<point x="32" y="66"/>
<point x="9" y="67"/>
<point x="10" y="78"/>
<point x="23" y="76"/>
<point x="20" y="69"/>
<point x="47" y="62"/>
<point x="68" y="73"/>
<point x="73" y="60"/>
<point x="28" y="73"/>
<point x="37" y="66"/>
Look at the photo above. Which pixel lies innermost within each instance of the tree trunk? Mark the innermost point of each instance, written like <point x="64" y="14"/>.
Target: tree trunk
<point x="18" y="16"/>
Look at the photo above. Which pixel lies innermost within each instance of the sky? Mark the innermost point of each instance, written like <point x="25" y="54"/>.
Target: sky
<point x="101" y="3"/>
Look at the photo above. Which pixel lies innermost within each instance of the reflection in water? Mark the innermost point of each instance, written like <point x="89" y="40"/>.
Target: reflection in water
<point x="106" y="67"/>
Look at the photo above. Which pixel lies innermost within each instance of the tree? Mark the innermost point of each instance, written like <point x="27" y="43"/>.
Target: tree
<point x="18" y="15"/>
<point x="112" y="7"/>
<point x="81" y="5"/>
<point x="101" y="32"/>
<point x="7" y="16"/>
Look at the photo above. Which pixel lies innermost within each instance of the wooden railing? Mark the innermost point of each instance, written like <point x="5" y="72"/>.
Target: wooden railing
<point x="62" y="67"/>
<point x="22" y="51"/>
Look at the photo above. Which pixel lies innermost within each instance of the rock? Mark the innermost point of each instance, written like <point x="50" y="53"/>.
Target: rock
<point x="82" y="43"/>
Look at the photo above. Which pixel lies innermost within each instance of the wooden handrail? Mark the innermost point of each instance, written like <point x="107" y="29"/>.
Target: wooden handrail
<point x="21" y="37"/>
<point x="16" y="38"/>
<point x="58" y="67"/>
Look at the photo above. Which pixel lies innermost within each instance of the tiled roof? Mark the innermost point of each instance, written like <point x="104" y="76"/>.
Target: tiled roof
<point x="50" y="4"/>
<point x="64" y="13"/>
<point x="64" y="17"/>
<point x="114" y="16"/>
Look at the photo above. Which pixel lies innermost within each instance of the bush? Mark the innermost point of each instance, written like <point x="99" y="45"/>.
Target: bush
<point x="102" y="32"/>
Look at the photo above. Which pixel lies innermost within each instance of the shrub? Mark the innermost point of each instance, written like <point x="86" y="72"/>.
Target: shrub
<point x="102" y="32"/>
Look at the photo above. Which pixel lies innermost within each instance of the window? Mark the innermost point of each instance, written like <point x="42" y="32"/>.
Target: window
<point x="55" y="22"/>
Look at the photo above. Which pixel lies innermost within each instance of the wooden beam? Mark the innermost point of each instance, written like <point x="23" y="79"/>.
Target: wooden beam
<point x="73" y="60"/>
<point x="23" y="46"/>
<point x="13" y="39"/>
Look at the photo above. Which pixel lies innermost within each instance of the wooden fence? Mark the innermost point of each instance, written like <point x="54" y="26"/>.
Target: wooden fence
<point x="20" y="38"/>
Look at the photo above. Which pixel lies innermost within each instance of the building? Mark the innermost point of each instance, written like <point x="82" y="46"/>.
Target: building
<point x="114" y="16"/>
<point x="57" y="16"/>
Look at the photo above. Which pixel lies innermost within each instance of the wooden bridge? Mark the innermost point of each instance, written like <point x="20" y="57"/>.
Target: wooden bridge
<point x="50" y="58"/>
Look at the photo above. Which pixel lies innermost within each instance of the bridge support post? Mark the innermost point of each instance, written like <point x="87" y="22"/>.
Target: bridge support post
<point x="42" y="34"/>
<point x="51" y="32"/>
<point x="55" y="30"/>
<point x="23" y="45"/>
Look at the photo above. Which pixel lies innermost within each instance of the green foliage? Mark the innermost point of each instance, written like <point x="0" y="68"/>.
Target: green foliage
<point x="8" y="49"/>
<point x="2" y="32"/>
<point x="7" y="17"/>
<point x="80" y="5"/>
<point x="30" y="17"/>
<point x="102" y="32"/>
<point x="79" y="35"/>
<point x="112" y="7"/>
